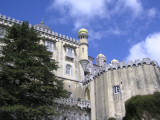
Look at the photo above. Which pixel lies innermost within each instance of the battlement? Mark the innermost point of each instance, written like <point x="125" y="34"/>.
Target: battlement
<point x="7" y="21"/>
<point x="74" y="102"/>
<point x="122" y="65"/>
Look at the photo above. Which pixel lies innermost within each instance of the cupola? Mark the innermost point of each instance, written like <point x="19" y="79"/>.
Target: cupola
<point x="101" y="60"/>
<point x="114" y="61"/>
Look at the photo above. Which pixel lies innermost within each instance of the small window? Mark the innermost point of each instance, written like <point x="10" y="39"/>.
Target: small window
<point x="49" y="45"/>
<point x="2" y="32"/>
<point x="87" y="94"/>
<point x="68" y="69"/>
<point x="116" y="89"/>
<point x="95" y="71"/>
<point x="89" y="68"/>
<point x="70" y="94"/>
<point x="82" y="50"/>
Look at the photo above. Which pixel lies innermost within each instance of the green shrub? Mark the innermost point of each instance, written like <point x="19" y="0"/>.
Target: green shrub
<point x="146" y="107"/>
<point x="111" y="118"/>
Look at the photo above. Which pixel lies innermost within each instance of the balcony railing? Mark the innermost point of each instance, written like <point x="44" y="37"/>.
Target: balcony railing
<point x="74" y="102"/>
<point x="69" y="55"/>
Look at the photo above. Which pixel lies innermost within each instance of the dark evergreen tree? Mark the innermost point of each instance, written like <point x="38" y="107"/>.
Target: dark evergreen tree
<point x="28" y="85"/>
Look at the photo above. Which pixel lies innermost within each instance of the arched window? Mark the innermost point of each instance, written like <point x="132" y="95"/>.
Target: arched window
<point x="68" y="69"/>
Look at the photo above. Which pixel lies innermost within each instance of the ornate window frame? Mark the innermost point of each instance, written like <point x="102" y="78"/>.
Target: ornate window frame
<point x="68" y="69"/>
<point x="49" y="45"/>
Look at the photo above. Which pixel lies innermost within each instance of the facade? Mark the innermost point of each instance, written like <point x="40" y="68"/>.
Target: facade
<point x="97" y="91"/>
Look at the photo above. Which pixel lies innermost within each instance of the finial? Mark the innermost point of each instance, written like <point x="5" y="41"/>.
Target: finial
<point x="42" y="21"/>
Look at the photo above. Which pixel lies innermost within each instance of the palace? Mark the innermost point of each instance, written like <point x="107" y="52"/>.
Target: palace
<point x="97" y="91"/>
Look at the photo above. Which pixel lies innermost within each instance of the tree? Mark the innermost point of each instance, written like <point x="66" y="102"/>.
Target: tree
<point x="111" y="118"/>
<point x="28" y="85"/>
<point x="146" y="107"/>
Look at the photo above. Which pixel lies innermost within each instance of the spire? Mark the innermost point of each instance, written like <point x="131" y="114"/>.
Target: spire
<point x="42" y="21"/>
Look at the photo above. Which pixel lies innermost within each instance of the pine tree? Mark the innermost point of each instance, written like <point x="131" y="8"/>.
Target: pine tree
<point x="28" y="85"/>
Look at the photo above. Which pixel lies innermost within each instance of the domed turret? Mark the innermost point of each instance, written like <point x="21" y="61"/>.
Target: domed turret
<point x="83" y="47"/>
<point x="100" y="55"/>
<point x="83" y="33"/>
<point x="114" y="61"/>
<point x="41" y="25"/>
<point x="101" y="60"/>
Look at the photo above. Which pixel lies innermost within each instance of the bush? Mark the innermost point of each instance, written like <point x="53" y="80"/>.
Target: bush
<point x="111" y="118"/>
<point x="146" y="107"/>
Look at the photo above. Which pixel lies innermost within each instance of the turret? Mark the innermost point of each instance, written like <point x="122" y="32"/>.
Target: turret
<point x="114" y="61"/>
<point x="83" y="37"/>
<point x="101" y="60"/>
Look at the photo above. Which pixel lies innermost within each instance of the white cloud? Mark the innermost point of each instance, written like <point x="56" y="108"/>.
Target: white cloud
<point x="151" y="12"/>
<point x="83" y="12"/>
<point x="134" y="5"/>
<point x="150" y="48"/>
<point x="93" y="35"/>
<point x="81" y="7"/>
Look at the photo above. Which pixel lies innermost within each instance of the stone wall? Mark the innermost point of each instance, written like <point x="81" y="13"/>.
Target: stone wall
<point x="139" y="78"/>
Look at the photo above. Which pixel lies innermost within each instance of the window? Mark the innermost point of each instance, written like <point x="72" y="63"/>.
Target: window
<point x="2" y="32"/>
<point x="116" y="89"/>
<point x="70" y="94"/>
<point x="68" y="69"/>
<point x="87" y="94"/>
<point x="95" y="71"/>
<point x="82" y="50"/>
<point x="49" y="45"/>
<point x="70" y="52"/>
<point x="89" y="68"/>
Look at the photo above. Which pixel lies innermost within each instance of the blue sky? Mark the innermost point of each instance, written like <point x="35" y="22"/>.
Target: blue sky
<point x="120" y="29"/>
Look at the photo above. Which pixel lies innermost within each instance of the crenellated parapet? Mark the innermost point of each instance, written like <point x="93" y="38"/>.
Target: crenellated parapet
<point x="7" y="21"/>
<point x="74" y="102"/>
<point x="122" y="65"/>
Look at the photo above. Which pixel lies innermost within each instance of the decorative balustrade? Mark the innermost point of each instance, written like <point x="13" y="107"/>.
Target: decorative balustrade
<point x="74" y="102"/>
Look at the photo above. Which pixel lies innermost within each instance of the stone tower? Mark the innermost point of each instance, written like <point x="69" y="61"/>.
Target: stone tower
<point x="83" y="46"/>
<point x="101" y="60"/>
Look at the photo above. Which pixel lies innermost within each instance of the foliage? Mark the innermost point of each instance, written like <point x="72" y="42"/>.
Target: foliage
<point x="28" y="85"/>
<point x="111" y="118"/>
<point x="146" y="107"/>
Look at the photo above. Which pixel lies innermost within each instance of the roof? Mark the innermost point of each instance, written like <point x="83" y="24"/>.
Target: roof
<point x="83" y="30"/>
<point x="41" y="25"/>
<point x="100" y="55"/>
<point x="114" y="61"/>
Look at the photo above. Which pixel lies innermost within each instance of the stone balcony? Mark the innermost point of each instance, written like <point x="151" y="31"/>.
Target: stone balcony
<point x="69" y="55"/>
